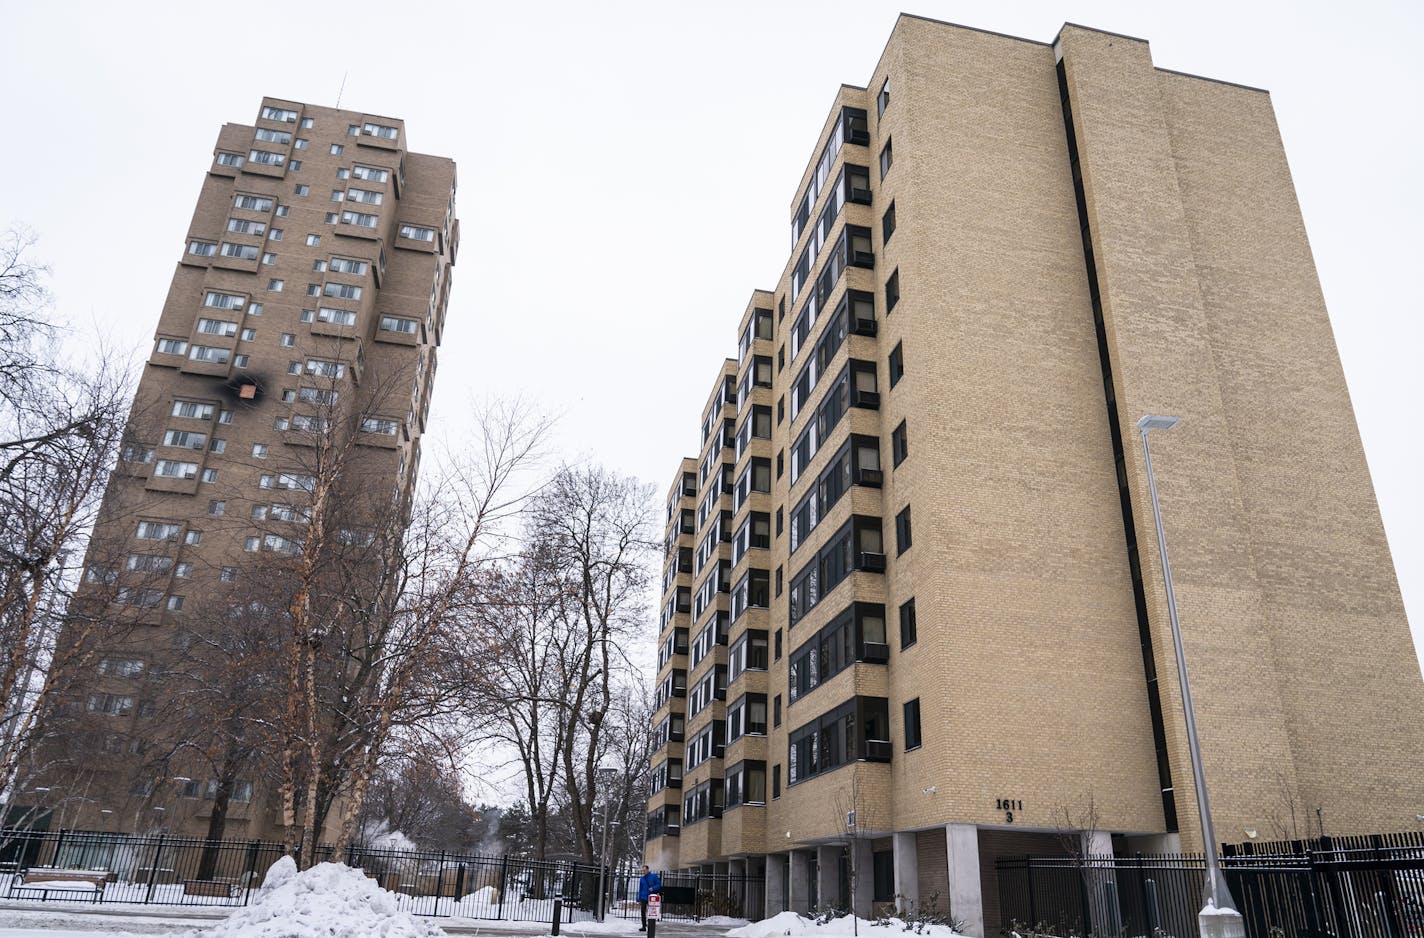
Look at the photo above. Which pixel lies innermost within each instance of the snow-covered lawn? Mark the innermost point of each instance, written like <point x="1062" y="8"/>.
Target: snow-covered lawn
<point x="797" y="926"/>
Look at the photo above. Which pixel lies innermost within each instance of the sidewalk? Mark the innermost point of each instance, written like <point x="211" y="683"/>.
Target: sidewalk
<point x="105" y="919"/>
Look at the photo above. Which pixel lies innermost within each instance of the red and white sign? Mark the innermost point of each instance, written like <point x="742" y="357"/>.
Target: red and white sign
<point x="655" y="908"/>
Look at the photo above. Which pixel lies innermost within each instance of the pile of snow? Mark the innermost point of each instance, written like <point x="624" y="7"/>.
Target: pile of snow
<point x="797" y="926"/>
<point x="330" y="900"/>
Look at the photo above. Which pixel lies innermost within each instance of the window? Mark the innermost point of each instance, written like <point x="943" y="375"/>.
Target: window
<point x="149" y="563"/>
<point x="856" y="634"/>
<point x="273" y="136"/>
<point x="183" y="570"/>
<point x="269" y="259"/>
<point x="343" y="291"/>
<point x="219" y="445"/>
<point x="229" y="159"/>
<point x="255" y="309"/>
<point x="121" y="667"/>
<point x="380" y="425"/>
<point x="899" y="444"/>
<point x="776" y="710"/>
<point x="343" y="265"/>
<point x="246" y="252"/>
<point x="887" y="158"/>
<point x="365" y="196"/>
<point x="398" y="324"/>
<point x="209" y="353"/>
<point x="275" y="285"/>
<point x="887" y="223"/>
<point x="360" y="219"/>
<point x="882" y="100"/>
<point x="283" y="210"/>
<point x="313" y="240"/>
<point x="157" y="531"/>
<point x="776" y="781"/>
<point x="338" y="195"/>
<point x="251" y="544"/>
<point x="193" y="409"/>
<point x="216" y="506"/>
<point x="897" y="363"/>
<point x="325" y="368"/>
<point x="354" y="130"/>
<point x="296" y="166"/>
<point x="383" y="131"/>
<point x="857" y="729"/>
<point x="173" y="469"/>
<point x="343" y="173"/>
<point x="252" y="203"/>
<point x="892" y="291"/>
<point x="902" y="530"/>
<point x="339" y="317"/>
<point x="371" y="173"/>
<point x="259" y="450"/>
<point x="301" y="143"/>
<point x="279" y="114"/>
<point x="857" y="545"/>
<point x="220" y="327"/>
<point x="287" y="340"/>
<point x="188" y="439"/>
<point x="331" y="218"/>
<point x="242" y="226"/>
<point x="193" y="538"/>
<point x="175" y="603"/>
<point x="228" y="575"/>
<point x="172" y="346"/>
<point x="109" y="704"/>
<point x="913" y="739"/>
<point x="202" y="248"/>
<point x="274" y="235"/>
<point x="337" y="149"/>
<point x="417" y="233"/>
<point x="224" y="416"/>
<point x="317" y="396"/>
<point x="267" y="157"/>
<point x="909" y="631"/>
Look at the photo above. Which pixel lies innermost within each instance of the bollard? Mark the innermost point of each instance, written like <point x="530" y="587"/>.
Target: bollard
<point x="558" y="914"/>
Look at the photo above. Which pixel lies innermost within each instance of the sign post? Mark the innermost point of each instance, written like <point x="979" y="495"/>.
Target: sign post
<point x="655" y="914"/>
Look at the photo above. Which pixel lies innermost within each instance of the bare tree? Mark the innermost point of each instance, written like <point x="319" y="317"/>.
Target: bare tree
<point x="374" y="585"/>
<point x="61" y="430"/>
<point x="596" y="528"/>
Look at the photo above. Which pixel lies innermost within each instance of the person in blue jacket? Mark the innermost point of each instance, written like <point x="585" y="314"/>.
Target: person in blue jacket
<point x="648" y="884"/>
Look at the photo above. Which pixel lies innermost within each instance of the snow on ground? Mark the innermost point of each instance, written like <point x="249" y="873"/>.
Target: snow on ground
<point x="330" y="900"/>
<point x="62" y="923"/>
<point x="789" y="923"/>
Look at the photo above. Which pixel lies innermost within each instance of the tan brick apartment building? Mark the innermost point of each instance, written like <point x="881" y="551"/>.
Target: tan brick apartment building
<point x="310" y="291"/>
<point x="911" y="573"/>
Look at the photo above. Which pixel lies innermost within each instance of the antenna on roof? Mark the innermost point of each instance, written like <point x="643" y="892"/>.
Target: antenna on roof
<point x="341" y="90"/>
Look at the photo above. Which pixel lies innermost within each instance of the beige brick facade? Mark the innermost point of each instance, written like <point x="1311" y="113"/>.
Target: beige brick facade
<point x="1029" y="666"/>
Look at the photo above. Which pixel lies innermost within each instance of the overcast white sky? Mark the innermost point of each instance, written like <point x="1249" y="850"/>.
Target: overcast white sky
<point x="626" y="173"/>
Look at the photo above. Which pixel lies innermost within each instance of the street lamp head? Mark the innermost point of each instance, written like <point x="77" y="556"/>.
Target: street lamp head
<point x="1154" y="422"/>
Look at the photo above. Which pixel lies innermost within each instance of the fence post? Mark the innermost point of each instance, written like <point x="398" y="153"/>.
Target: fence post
<point x="459" y="885"/>
<point x="153" y="870"/>
<point x="503" y="885"/>
<point x="1032" y="909"/>
<point x="1394" y="926"/>
<point x="558" y="915"/>
<point x="251" y="871"/>
<point x="58" y="846"/>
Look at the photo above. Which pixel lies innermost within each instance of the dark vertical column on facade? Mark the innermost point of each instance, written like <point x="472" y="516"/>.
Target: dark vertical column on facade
<point x="1139" y="594"/>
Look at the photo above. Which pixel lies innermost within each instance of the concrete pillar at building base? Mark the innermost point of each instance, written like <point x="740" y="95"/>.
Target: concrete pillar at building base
<point x="966" y="895"/>
<point x="863" y="886"/>
<point x="776" y="894"/>
<point x="798" y="887"/>
<point x="907" y="871"/>
<point x="828" y="878"/>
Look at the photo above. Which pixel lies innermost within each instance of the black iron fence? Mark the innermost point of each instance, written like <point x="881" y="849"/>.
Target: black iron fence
<point x="1344" y="887"/>
<point x="79" y="866"/>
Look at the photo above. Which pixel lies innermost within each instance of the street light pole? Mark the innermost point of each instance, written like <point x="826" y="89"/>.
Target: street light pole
<point x="603" y="777"/>
<point x="1220" y="918"/>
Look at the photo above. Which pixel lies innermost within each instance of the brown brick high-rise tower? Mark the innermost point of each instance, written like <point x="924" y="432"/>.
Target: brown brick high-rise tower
<point x="311" y="291"/>
<point x="911" y="573"/>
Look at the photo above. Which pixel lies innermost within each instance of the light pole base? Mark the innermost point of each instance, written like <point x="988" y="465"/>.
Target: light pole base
<point x="1221" y="923"/>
